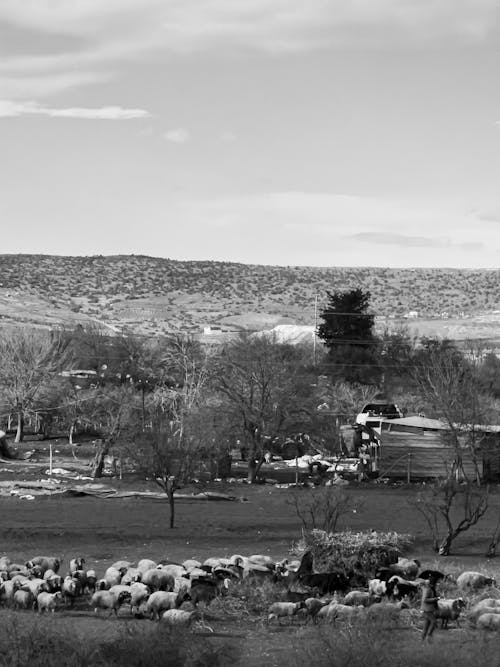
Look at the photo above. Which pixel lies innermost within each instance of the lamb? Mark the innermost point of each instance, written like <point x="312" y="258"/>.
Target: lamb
<point x="358" y="599"/>
<point x="281" y="610"/>
<point x="450" y="610"/>
<point x="23" y="599"/>
<point x="489" y="622"/>
<point x="76" y="564"/>
<point x="106" y="600"/>
<point x="470" y="581"/>
<point x="47" y="601"/>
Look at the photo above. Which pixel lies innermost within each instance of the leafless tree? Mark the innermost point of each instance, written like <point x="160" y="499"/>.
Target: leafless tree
<point x="168" y="451"/>
<point x="29" y="359"/>
<point x="450" y="508"/>
<point x="323" y="507"/>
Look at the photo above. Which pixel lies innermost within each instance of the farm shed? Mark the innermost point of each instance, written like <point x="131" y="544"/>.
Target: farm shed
<point x="415" y="448"/>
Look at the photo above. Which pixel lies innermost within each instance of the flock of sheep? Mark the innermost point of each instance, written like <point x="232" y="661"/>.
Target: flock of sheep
<point x="171" y="593"/>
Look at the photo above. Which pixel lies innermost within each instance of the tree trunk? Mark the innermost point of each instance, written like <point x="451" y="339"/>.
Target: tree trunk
<point x="98" y="464"/>
<point x="445" y="546"/>
<point x="20" y="427"/>
<point x="171" y="499"/>
<point x="253" y="469"/>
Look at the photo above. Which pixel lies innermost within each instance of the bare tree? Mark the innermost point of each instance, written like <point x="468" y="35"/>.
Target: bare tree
<point x="262" y="389"/>
<point x="450" y="508"/>
<point x="169" y="450"/>
<point x="29" y="359"/>
<point x="323" y="507"/>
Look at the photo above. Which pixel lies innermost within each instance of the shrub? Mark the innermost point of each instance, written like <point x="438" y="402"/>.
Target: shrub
<point x="348" y="550"/>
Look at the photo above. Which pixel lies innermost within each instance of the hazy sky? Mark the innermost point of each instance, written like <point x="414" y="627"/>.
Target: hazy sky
<point x="320" y="132"/>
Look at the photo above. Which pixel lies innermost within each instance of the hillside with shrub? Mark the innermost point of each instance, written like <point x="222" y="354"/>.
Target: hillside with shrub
<point x="155" y="295"/>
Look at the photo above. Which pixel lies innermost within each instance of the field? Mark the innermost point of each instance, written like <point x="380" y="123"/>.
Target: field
<point x="261" y="520"/>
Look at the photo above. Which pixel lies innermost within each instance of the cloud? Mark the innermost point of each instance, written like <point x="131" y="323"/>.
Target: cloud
<point x="388" y="238"/>
<point x="320" y="228"/>
<point x="177" y="136"/>
<point x="11" y="109"/>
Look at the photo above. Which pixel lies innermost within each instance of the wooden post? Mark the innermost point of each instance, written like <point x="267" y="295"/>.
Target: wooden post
<point x="296" y="471"/>
<point x="50" y="460"/>
<point x="120" y="464"/>
<point x="408" y="470"/>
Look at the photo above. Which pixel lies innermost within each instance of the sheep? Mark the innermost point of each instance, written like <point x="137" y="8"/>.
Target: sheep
<point x="469" y="581"/>
<point x="47" y="601"/>
<point x="406" y="568"/>
<point x="114" y="575"/>
<point x="325" y="582"/>
<point x="76" y="564"/>
<point x="389" y="612"/>
<point x="488" y="605"/>
<point x="489" y="622"/>
<point x="173" y="570"/>
<point x="146" y="564"/>
<point x="106" y="600"/>
<point x="358" y="599"/>
<point x="69" y="590"/>
<point x="450" y="610"/>
<point x="23" y="599"/>
<point x="313" y="607"/>
<point x="140" y="593"/>
<point x="436" y="574"/>
<point x="216" y="562"/>
<point x="179" y="618"/>
<point x="7" y="590"/>
<point x="158" y="580"/>
<point x="335" y="610"/>
<point x="281" y="610"/>
<point x="35" y="586"/>
<point x="265" y="561"/>
<point x="131" y="575"/>
<point x="4" y="562"/>
<point x="206" y="591"/>
<point x="377" y="588"/>
<point x="160" y="601"/>
<point x="102" y="585"/>
<point x="53" y="583"/>
<point x="45" y="562"/>
<point x="91" y="581"/>
<point x="191" y="564"/>
<point x="122" y="565"/>
<point x="401" y="587"/>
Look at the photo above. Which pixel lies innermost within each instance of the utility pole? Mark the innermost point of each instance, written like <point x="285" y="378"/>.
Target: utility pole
<point x="315" y="327"/>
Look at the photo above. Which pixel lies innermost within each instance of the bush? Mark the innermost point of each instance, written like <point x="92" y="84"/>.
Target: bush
<point x="363" y="552"/>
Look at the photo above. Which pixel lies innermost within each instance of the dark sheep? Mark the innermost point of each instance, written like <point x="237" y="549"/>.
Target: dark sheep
<point x="326" y="582"/>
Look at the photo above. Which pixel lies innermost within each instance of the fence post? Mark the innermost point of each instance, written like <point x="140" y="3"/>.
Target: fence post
<point x="50" y="459"/>
<point x="408" y="471"/>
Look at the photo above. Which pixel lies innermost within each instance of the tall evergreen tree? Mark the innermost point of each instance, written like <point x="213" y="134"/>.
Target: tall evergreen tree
<point x="347" y="330"/>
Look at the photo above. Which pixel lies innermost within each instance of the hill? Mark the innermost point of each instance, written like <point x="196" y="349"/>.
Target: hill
<point x="153" y="295"/>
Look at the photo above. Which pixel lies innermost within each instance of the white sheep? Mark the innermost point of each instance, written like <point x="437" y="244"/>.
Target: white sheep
<point x="140" y="593"/>
<point x="336" y="610"/>
<point x="69" y="590"/>
<point x="377" y="588"/>
<point x="489" y="621"/>
<point x="106" y="600"/>
<point x="7" y="590"/>
<point x="486" y="606"/>
<point x="174" y="570"/>
<point x="190" y="564"/>
<point x="161" y="601"/>
<point x="469" y="581"/>
<point x="23" y="599"/>
<point x="76" y="564"/>
<point x="358" y="599"/>
<point x="131" y="575"/>
<point x="47" y="601"/>
<point x="179" y="618"/>
<point x="35" y="586"/>
<point x="121" y="565"/>
<point x="146" y="564"/>
<point x="450" y="610"/>
<point x="281" y="610"/>
<point x="113" y="575"/>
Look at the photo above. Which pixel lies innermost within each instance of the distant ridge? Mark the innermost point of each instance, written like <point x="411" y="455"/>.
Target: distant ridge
<point x="155" y="295"/>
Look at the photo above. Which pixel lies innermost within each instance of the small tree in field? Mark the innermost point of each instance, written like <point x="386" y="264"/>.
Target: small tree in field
<point x="169" y="450"/>
<point x="323" y="507"/>
<point x="450" y="508"/>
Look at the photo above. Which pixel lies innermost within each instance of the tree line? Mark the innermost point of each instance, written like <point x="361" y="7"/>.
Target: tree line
<point x="168" y="401"/>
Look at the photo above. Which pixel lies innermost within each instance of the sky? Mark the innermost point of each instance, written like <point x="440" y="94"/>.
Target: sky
<point x="321" y="133"/>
